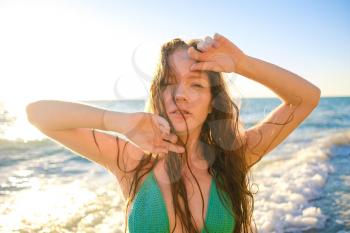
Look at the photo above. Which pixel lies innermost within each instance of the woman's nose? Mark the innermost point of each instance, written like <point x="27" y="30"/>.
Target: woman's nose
<point x="180" y="93"/>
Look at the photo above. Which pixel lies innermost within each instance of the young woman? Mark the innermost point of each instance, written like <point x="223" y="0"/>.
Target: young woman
<point x="183" y="164"/>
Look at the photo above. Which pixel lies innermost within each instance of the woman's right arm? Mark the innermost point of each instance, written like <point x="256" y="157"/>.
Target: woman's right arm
<point x="72" y="124"/>
<point x="61" y="115"/>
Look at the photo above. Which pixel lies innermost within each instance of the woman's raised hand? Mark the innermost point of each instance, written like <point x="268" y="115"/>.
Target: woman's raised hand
<point x="218" y="54"/>
<point x="151" y="133"/>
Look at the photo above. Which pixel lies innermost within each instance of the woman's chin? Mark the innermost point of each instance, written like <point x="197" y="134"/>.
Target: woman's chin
<point x="180" y="129"/>
<point x="183" y="130"/>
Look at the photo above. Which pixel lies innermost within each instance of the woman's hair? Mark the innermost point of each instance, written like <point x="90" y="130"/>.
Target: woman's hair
<point x="223" y="146"/>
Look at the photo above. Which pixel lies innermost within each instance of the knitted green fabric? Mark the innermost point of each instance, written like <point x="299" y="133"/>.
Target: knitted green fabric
<point x="148" y="212"/>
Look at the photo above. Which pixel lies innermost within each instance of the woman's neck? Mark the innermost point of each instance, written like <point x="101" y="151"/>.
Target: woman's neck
<point x="194" y="150"/>
<point x="195" y="155"/>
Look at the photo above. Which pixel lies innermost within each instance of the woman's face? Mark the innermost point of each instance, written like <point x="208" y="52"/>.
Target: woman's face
<point x="191" y="92"/>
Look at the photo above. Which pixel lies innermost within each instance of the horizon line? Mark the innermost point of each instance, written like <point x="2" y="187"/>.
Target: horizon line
<point x="253" y="97"/>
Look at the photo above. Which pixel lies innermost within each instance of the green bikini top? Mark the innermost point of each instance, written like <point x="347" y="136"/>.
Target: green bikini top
<point x="148" y="213"/>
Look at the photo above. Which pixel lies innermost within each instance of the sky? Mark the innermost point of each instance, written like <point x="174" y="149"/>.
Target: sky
<point x="99" y="50"/>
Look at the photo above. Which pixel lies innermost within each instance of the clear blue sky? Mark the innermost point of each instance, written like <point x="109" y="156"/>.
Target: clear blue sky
<point x="83" y="49"/>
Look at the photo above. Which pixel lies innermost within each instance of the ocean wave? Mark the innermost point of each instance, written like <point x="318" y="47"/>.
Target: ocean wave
<point x="287" y="187"/>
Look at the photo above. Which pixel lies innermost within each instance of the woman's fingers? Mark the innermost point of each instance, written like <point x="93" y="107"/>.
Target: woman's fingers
<point x="161" y="150"/>
<point x="209" y="43"/>
<point x="213" y="66"/>
<point x="164" y="130"/>
<point x="167" y="146"/>
<point x="151" y="133"/>
<point x="196" y="55"/>
<point x="203" y="46"/>
<point x="163" y="122"/>
<point x="161" y="126"/>
<point x="170" y="137"/>
<point x="218" y="37"/>
<point x="215" y="44"/>
<point x="206" y="44"/>
<point x="208" y="39"/>
<point x="172" y="147"/>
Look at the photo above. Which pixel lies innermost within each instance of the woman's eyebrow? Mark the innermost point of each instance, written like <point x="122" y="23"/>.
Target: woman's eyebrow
<point x="194" y="75"/>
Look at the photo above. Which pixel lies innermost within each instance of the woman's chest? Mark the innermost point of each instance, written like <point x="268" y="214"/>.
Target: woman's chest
<point x="197" y="198"/>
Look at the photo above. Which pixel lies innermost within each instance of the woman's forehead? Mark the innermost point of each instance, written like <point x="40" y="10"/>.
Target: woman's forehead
<point x="180" y="65"/>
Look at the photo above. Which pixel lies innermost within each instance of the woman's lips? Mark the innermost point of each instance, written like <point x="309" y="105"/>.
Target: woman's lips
<point x="178" y="115"/>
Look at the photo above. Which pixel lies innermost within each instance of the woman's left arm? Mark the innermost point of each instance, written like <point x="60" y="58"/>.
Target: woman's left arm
<point x="291" y="88"/>
<point x="299" y="97"/>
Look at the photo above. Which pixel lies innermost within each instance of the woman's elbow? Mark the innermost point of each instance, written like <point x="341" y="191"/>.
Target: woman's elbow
<point x="32" y="112"/>
<point x="317" y="96"/>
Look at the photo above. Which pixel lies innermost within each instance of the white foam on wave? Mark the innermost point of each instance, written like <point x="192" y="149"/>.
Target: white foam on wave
<point x="286" y="188"/>
<point x="51" y="206"/>
<point x="343" y="200"/>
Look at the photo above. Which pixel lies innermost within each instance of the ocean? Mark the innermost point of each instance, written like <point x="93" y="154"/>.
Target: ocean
<point x="303" y="185"/>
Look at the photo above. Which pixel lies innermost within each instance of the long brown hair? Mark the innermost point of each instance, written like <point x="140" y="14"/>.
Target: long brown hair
<point x="222" y="142"/>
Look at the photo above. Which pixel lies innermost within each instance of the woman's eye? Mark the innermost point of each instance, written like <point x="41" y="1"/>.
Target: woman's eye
<point x="197" y="85"/>
<point x="169" y="84"/>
